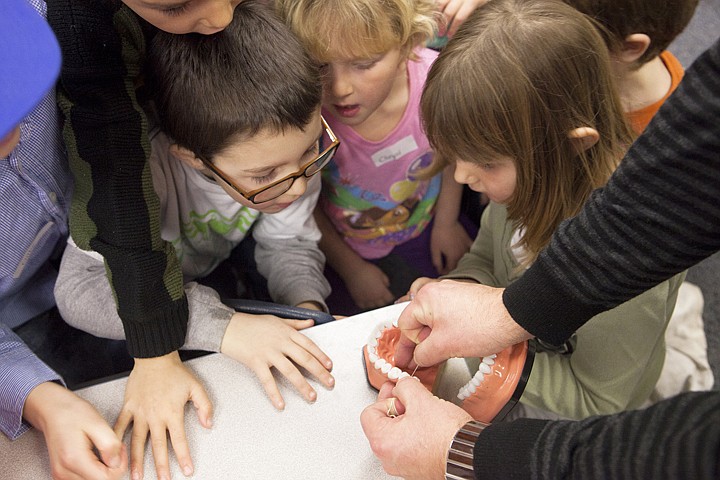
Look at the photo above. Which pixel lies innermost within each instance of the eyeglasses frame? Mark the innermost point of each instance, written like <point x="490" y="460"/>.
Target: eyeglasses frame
<point x="250" y="196"/>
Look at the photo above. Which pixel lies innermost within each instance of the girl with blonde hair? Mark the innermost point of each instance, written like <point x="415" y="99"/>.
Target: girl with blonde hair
<point x="386" y="213"/>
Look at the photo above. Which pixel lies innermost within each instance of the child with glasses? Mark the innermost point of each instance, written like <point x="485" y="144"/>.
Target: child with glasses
<point x="386" y="213"/>
<point x="240" y="139"/>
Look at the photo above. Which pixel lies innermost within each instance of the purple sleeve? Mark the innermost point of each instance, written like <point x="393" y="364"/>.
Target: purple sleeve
<point x="20" y="372"/>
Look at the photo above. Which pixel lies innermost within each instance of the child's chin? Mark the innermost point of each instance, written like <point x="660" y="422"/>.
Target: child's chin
<point x="275" y="208"/>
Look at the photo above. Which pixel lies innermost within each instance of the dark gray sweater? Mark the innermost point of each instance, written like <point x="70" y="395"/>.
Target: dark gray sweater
<point x="658" y="215"/>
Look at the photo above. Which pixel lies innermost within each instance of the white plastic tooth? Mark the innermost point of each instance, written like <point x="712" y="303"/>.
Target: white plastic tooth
<point x="387" y="325"/>
<point x="373" y="342"/>
<point x="395" y="322"/>
<point x="372" y="349"/>
<point x="477" y="381"/>
<point x="386" y="368"/>
<point x="394" y="373"/>
<point x="484" y="368"/>
<point x="488" y="361"/>
<point x="377" y="333"/>
<point x="372" y="356"/>
<point x="494" y="355"/>
<point x="461" y="396"/>
<point x="403" y="375"/>
<point x="471" y="388"/>
<point x="379" y="363"/>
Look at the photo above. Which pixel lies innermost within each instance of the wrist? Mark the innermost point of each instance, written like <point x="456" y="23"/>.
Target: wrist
<point x="461" y="453"/>
<point x="158" y="362"/>
<point x="42" y="400"/>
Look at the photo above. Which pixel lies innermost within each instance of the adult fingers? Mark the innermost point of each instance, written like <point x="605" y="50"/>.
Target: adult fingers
<point x="408" y="391"/>
<point x="404" y="350"/>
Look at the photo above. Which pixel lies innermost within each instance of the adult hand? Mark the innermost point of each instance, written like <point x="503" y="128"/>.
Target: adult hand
<point x="72" y="430"/>
<point x="369" y="287"/>
<point x="448" y="243"/>
<point x="415" y="444"/>
<point x="155" y="397"/>
<point x="456" y="12"/>
<point x="265" y="341"/>
<point x="449" y="319"/>
<point x="415" y="287"/>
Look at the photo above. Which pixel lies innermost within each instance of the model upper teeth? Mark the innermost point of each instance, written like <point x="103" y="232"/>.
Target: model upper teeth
<point x="394" y="373"/>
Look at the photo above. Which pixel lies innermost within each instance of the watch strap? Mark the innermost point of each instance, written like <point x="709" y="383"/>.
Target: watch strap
<point x="460" y="455"/>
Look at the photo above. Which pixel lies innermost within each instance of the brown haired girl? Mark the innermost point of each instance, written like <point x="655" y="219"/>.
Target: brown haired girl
<point x="523" y="102"/>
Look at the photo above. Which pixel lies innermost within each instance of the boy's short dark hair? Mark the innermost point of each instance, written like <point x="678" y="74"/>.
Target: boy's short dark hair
<point x="661" y="21"/>
<point x="213" y="90"/>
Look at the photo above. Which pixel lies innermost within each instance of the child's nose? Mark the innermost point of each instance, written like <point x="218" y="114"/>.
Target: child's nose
<point x="298" y="187"/>
<point x="218" y="14"/>
<point x="462" y="175"/>
<point x="339" y="84"/>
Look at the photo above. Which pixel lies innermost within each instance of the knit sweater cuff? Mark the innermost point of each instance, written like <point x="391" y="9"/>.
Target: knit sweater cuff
<point x="505" y="450"/>
<point x="539" y="303"/>
<point x="158" y="333"/>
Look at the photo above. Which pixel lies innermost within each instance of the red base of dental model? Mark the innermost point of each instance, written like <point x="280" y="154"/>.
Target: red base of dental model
<point x="496" y="390"/>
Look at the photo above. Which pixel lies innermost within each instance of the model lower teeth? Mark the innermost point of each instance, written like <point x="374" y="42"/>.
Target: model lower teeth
<point x="484" y="369"/>
<point x="394" y="373"/>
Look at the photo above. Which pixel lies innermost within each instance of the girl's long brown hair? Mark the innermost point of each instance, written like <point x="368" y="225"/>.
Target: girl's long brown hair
<point x="515" y="80"/>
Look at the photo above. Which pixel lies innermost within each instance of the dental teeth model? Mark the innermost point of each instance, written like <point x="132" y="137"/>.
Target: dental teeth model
<point x="379" y="354"/>
<point x="494" y="389"/>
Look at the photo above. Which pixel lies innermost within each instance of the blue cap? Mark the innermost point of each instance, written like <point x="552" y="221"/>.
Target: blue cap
<point x="29" y="61"/>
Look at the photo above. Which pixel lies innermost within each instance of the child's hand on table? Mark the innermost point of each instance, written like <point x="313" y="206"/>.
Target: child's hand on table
<point x="265" y="341"/>
<point x="73" y="429"/>
<point x="155" y="397"/>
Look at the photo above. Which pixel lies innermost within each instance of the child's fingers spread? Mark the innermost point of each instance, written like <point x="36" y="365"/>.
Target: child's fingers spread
<point x="299" y="324"/>
<point x="137" y="449"/>
<point x="158" y="440"/>
<point x="122" y="422"/>
<point x="268" y="382"/>
<point x="180" y="446"/>
<point x="291" y="372"/>
<point x="203" y="405"/>
<point x="307" y="344"/>
<point x="310" y="362"/>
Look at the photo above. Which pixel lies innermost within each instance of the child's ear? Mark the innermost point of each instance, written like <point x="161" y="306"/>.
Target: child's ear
<point x="583" y="138"/>
<point x="186" y="156"/>
<point x="633" y="47"/>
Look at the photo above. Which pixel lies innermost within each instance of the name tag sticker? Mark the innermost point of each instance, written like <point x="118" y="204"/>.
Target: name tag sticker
<point x="395" y="151"/>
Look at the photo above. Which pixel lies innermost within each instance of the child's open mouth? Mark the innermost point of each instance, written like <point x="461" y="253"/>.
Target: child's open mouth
<point x="347" y="111"/>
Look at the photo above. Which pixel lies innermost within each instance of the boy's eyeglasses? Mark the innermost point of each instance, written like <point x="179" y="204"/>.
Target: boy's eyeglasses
<point x="279" y="187"/>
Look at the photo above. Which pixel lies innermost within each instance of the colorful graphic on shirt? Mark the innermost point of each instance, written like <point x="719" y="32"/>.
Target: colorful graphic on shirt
<point x="390" y="217"/>
<point x="207" y="238"/>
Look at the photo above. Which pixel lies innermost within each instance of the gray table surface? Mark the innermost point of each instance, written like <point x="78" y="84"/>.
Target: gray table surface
<point x="250" y="439"/>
